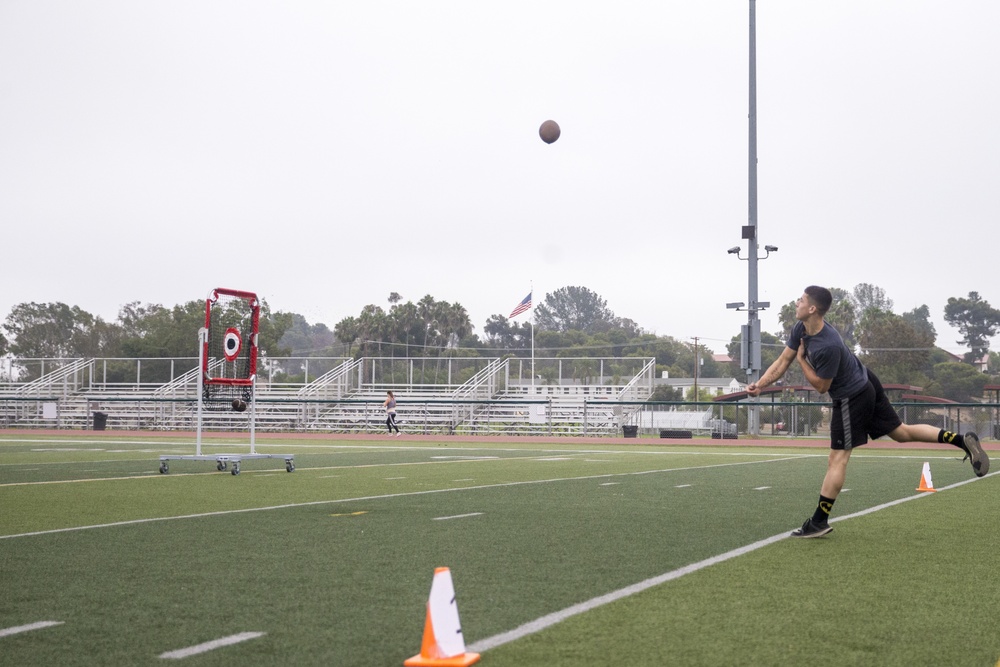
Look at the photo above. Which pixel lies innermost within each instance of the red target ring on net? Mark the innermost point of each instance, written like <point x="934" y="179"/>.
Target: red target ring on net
<point x="231" y="344"/>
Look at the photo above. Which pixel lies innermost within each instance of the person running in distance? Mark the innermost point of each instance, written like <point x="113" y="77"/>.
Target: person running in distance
<point x="860" y="406"/>
<point x="390" y="412"/>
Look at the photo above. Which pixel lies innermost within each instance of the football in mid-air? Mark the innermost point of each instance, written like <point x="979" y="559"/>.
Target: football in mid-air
<point x="549" y="131"/>
<point x="239" y="405"/>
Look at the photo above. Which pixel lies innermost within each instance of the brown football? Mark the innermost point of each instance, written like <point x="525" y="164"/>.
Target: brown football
<point x="549" y="131"/>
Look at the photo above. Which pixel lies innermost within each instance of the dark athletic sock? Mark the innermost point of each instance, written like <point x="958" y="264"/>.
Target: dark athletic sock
<point x="822" y="514"/>
<point x="953" y="439"/>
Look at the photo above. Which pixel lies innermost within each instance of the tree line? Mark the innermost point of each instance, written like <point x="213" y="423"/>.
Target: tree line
<point x="570" y="322"/>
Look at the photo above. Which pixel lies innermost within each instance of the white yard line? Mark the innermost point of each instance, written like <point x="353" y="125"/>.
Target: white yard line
<point x="213" y="472"/>
<point x="543" y="622"/>
<point x="5" y="632"/>
<point x="210" y="646"/>
<point x="388" y="465"/>
<point x="457" y="516"/>
<point x="466" y="458"/>
<point x="386" y="496"/>
<point x="173" y="446"/>
<point x="132" y="476"/>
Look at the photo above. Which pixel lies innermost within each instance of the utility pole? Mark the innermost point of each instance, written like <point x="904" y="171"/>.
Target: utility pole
<point x="695" y="338"/>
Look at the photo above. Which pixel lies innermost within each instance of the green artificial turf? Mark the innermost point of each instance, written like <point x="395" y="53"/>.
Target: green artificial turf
<point x="334" y="561"/>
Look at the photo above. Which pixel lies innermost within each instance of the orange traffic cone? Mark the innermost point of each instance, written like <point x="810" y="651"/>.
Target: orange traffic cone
<point x="926" y="484"/>
<point x="443" y="644"/>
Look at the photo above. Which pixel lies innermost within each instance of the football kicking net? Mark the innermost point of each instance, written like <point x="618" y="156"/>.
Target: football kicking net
<point x="227" y="375"/>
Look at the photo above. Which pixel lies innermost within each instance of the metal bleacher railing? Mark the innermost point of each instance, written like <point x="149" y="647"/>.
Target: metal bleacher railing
<point x="447" y="396"/>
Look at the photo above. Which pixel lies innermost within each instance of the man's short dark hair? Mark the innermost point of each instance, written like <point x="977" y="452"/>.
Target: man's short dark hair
<point x="820" y="297"/>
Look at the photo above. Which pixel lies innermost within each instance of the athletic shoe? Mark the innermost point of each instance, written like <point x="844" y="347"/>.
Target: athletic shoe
<point x="980" y="460"/>
<point x="812" y="529"/>
<point x="397" y="434"/>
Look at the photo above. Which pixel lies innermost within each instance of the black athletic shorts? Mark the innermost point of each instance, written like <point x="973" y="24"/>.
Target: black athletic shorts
<point x="867" y="414"/>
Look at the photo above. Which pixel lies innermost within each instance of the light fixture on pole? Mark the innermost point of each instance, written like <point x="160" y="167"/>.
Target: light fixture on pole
<point x="750" y="332"/>
<point x="735" y="250"/>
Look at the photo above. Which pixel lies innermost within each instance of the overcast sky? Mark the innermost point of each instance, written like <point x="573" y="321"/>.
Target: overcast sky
<point x="325" y="154"/>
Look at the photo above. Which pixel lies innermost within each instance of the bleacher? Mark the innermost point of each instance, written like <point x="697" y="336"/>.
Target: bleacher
<point x="468" y="396"/>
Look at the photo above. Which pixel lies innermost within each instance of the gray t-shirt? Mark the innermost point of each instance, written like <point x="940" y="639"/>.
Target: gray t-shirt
<point x="831" y="359"/>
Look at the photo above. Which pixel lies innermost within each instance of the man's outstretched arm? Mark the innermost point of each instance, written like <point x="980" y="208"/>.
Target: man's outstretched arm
<point x="774" y="373"/>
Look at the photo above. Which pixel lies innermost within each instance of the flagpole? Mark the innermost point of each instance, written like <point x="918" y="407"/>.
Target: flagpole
<point x="531" y="319"/>
<point x="527" y="305"/>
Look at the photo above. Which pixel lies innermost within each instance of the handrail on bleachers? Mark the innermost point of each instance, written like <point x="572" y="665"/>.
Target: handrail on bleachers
<point x="57" y="379"/>
<point x="338" y="377"/>
<point x="188" y="378"/>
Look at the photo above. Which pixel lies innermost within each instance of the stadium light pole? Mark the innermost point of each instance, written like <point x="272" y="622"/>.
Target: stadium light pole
<point x="753" y="322"/>
<point x="750" y="338"/>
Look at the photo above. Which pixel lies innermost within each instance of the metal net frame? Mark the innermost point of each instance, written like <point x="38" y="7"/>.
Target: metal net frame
<point x="229" y="352"/>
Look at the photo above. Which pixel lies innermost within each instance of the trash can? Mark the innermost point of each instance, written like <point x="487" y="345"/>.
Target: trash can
<point x="100" y="421"/>
<point x="631" y="431"/>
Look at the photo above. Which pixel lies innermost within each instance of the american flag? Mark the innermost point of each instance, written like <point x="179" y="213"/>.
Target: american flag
<point x="521" y="307"/>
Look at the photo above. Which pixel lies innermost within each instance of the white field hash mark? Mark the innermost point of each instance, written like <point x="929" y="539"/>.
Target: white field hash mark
<point x="457" y="516"/>
<point x="5" y="632"/>
<point x="210" y="646"/>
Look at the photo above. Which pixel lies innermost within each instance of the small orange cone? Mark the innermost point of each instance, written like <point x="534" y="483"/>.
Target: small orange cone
<point x="443" y="644"/>
<point x="926" y="484"/>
